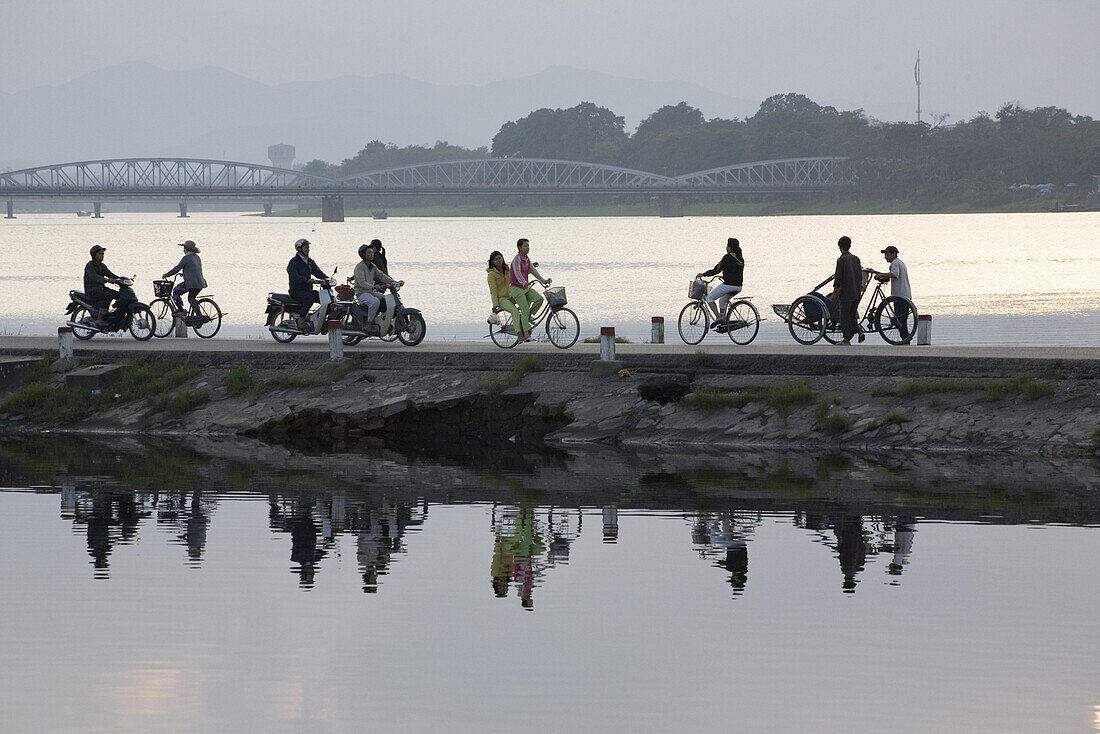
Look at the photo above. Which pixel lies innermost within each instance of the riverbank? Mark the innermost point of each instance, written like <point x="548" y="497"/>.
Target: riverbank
<point x="1034" y="404"/>
<point x="794" y="206"/>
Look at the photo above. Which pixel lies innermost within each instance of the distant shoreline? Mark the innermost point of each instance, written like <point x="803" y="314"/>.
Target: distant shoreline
<point x="649" y="209"/>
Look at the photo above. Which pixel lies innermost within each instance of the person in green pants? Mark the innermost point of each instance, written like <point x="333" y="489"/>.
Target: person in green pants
<point x="499" y="292"/>
<point x="527" y="298"/>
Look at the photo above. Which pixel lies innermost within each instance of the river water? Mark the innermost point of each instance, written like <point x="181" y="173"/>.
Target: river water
<point x="243" y="587"/>
<point x="985" y="278"/>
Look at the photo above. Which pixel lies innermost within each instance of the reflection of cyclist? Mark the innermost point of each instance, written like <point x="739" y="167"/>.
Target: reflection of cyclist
<point x="500" y="294"/>
<point x="527" y="299"/>
<point x="193" y="282"/>
<point x="732" y="267"/>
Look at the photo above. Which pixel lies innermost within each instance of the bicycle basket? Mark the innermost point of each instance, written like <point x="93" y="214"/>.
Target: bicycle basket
<point x="162" y="288"/>
<point x="697" y="290"/>
<point x="556" y="297"/>
<point x="345" y="292"/>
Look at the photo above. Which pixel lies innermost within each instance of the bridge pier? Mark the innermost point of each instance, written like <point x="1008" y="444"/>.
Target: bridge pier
<point x="98" y="207"/>
<point x="267" y="209"/>
<point x="183" y="208"/>
<point x="671" y="206"/>
<point x="11" y="210"/>
<point x="332" y="208"/>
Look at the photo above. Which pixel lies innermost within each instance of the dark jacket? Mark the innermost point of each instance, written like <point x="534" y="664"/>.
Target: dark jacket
<point x="300" y="271"/>
<point x="191" y="266"/>
<point x="95" y="275"/>
<point x="380" y="260"/>
<point x="732" y="267"/>
<point x="848" y="279"/>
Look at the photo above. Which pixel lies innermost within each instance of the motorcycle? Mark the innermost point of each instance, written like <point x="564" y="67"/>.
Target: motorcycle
<point x="128" y="314"/>
<point x="394" y="319"/>
<point x="283" y="313"/>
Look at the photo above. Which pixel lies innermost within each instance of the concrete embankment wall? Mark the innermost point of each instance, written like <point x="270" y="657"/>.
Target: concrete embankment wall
<point x="820" y="400"/>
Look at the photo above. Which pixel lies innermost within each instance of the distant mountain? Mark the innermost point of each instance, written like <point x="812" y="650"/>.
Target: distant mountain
<point x="138" y="110"/>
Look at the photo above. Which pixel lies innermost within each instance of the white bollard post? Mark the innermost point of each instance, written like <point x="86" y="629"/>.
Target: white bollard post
<point x="180" y="327"/>
<point x="335" y="340"/>
<point x="924" y="329"/>
<point x="658" y="335"/>
<point x="65" y="342"/>
<point x="607" y="343"/>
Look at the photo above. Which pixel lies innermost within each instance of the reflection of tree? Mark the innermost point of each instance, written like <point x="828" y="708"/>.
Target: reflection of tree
<point x="724" y="537"/>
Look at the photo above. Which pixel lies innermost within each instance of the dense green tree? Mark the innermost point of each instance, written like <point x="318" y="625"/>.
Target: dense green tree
<point x="570" y="134"/>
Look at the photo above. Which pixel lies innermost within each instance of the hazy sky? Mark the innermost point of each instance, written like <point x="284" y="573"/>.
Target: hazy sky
<point x="976" y="54"/>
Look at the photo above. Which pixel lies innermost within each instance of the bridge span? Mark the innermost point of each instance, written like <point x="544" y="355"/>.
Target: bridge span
<point x="186" y="179"/>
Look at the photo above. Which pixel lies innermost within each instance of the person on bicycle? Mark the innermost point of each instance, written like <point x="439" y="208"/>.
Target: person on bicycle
<point x="96" y="275"/>
<point x="526" y="298"/>
<point x="500" y="294"/>
<point x="301" y="270"/>
<point x="732" y="267"/>
<point x="367" y="277"/>
<point x="193" y="282"/>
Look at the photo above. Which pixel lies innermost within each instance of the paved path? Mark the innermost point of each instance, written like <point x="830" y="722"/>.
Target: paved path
<point x="12" y="345"/>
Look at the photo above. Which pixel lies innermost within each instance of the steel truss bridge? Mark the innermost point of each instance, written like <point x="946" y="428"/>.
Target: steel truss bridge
<point x="184" y="179"/>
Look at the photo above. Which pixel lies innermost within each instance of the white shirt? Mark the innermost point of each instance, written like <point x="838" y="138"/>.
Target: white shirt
<point x="899" y="282"/>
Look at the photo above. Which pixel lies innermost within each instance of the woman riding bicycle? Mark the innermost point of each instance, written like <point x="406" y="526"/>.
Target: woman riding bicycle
<point x="193" y="282"/>
<point x="500" y="292"/>
<point x="732" y="267"/>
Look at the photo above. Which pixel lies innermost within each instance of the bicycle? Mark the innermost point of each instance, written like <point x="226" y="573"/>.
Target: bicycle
<point x="561" y="325"/>
<point x="205" y="317"/>
<point x="815" y="316"/>
<point x="741" y="320"/>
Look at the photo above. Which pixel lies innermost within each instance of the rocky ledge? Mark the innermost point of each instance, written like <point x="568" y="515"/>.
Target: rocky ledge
<point x="1050" y="409"/>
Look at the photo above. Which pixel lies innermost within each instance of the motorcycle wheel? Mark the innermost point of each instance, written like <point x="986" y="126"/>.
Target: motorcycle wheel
<point x="411" y="329"/>
<point x="78" y="317"/>
<point x="281" y="336"/>
<point x="143" y="324"/>
<point x="348" y="322"/>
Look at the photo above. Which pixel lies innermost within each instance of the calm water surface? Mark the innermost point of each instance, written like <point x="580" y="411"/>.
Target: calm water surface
<point x="255" y="589"/>
<point x="986" y="278"/>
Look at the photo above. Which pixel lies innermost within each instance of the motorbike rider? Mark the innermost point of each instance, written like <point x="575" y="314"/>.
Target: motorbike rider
<point x="301" y="270"/>
<point x="96" y="275"/>
<point x="367" y="277"/>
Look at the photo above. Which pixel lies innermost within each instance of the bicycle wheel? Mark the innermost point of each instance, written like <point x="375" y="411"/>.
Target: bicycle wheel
<point x="143" y="324"/>
<point x="207" y="320"/>
<point x="410" y="329"/>
<point x="162" y="310"/>
<point x="81" y="316"/>
<point x="806" y="319"/>
<point x="504" y="335"/>
<point x="694" y="322"/>
<point x="562" y="328"/>
<point x="742" y="322"/>
<point x="896" y="320"/>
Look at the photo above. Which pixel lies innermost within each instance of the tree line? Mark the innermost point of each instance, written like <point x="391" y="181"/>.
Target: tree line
<point x="987" y="161"/>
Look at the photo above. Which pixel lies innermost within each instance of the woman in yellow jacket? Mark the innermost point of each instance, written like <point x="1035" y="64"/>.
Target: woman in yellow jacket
<point x="499" y="291"/>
